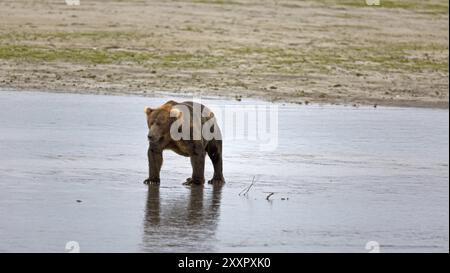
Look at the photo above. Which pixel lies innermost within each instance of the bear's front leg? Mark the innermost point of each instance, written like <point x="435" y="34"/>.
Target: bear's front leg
<point x="198" y="169"/>
<point x="155" y="160"/>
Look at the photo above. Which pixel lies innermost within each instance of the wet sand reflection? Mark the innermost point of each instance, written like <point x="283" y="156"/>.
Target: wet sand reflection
<point x="181" y="223"/>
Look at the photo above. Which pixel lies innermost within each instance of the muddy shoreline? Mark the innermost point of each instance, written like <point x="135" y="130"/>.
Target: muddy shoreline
<point x="333" y="52"/>
<point x="152" y="94"/>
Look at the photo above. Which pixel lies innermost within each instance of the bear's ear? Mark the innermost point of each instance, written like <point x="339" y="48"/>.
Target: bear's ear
<point x="175" y="113"/>
<point x="148" y="110"/>
<point x="171" y="102"/>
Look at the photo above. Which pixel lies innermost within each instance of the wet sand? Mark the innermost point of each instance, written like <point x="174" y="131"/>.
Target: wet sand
<point x="72" y="166"/>
<point x="327" y="51"/>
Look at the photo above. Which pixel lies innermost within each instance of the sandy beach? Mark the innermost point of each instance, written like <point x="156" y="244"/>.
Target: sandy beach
<point x="323" y="51"/>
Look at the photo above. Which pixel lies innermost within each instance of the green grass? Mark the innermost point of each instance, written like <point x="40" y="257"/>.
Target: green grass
<point x="385" y="57"/>
<point x="189" y="61"/>
<point x="26" y="53"/>
<point x="403" y="57"/>
<point x="217" y="2"/>
<point x="93" y="36"/>
<point x="421" y="6"/>
<point x="74" y="55"/>
<point x="191" y="29"/>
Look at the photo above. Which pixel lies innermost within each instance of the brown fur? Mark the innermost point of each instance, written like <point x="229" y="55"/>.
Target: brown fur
<point x="159" y="123"/>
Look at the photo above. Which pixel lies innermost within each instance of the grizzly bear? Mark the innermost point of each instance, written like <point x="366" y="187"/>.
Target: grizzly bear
<point x="194" y="119"/>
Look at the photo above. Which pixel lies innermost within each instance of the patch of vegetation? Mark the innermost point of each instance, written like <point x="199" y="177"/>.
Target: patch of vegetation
<point x="192" y="29"/>
<point x="93" y="36"/>
<point x="436" y="7"/>
<point x="189" y="60"/>
<point x="385" y="57"/>
<point x="27" y="53"/>
<point x="378" y="56"/>
<point x="217" y="2"/>
<point x="74" y="55"/>
<point x="408" y="57"/>
<point x="430" y="6"/>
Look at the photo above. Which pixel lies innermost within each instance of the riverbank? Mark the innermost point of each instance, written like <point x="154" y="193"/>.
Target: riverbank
<point x="340" y="52"/>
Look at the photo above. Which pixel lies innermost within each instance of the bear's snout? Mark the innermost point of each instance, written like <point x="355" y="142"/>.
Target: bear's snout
<point x="153" y="137"/>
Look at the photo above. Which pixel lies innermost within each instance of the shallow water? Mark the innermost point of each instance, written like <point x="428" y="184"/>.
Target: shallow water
<point x="342" y="177"/>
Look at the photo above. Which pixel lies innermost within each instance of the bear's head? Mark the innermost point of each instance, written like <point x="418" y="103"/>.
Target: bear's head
<point x="159" y="121"/>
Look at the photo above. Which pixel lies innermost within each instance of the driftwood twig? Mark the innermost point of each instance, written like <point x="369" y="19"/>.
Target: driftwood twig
<point x="268" y="196"/>
<point x="245" y="191"/>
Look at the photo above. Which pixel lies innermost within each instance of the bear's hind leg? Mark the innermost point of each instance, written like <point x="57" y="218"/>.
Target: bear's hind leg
<point x="198" y="170"/>
<point x="214" y="150"/>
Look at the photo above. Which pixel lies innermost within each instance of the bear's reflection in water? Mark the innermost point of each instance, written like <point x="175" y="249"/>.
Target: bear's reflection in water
<point x="181" y="222"/>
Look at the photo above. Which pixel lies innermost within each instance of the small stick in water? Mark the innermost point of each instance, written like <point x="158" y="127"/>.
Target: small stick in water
<point x="244" y="192"/>
<point x="268" y="196"/>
